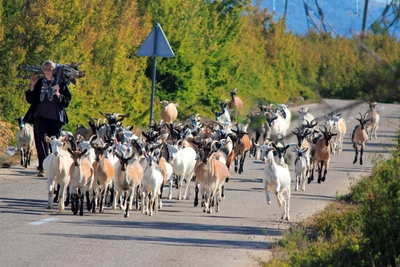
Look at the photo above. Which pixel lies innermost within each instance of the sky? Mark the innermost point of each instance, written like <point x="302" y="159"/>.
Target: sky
<point x="343" y="16"/>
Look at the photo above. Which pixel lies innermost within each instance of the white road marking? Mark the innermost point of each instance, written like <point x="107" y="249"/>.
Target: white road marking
<point x="43" y="221"/>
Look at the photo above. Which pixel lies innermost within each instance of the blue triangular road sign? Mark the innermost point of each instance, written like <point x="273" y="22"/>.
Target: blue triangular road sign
<point x="156" y="44"/>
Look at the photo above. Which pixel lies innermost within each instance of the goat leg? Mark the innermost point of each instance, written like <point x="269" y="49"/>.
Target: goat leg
<point x="356" y="151"/>
<point x="73" y="209"/>
<point x="222" y="192"/>
<point x="196" y="196"/>
<point x="236" y="163"/>
<point x="56" y="191"/>
<point x="323" y="177"/>
<point x="319" y="166"/>
<point x="242" y="163"/>
<point x="81" y="198"/>
<point x="127" y="207"/>
<point x="87" y="201"/>
<point x="311" y="177"/>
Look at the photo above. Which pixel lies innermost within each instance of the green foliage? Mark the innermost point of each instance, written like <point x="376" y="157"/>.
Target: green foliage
<point x="358" y="230"/>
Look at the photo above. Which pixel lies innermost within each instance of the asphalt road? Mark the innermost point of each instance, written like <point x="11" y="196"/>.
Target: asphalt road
<point x="179" y="235"/>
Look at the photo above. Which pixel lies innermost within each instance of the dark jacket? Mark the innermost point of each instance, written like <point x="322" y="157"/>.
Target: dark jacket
<point x="33" y="98"/>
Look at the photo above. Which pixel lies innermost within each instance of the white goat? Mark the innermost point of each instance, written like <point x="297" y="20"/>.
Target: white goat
<point x="373" y="117"/>
<point x="277" y="124"/>
<point x="151" y="187"/>
<point x="286" y="114"/>
<point x="57" y="169"/>
<point x="183" y="161"/>
<point x="302" y="168"/>
<point x="83" y="145"/>
<point x="277" y="179"/>
<point x="337" y="125"/>
<point x="25" y="141"/>
<point x="223" y="116"/>
<point x="305" y="116"/>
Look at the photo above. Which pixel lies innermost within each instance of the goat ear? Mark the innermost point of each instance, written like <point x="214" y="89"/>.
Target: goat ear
<point x="70" y="151"/>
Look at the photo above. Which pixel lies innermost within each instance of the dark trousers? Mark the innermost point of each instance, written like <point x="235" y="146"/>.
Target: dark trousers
<point x="44" y="127"/>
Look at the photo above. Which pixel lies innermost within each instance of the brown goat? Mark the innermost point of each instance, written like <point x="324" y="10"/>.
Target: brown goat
<point x="86" y="133"/>
<point x="103" y="172"/>
<point x="322" y="155"/>
<point x="169" y="112"/>
<point x="241" y="147"/>
<point x="81" y="182"/>
<point x="236" y="104"/>
<point x="359" y="137"/>
<point x="128" y="177"/>
<point x="210" y="177"/>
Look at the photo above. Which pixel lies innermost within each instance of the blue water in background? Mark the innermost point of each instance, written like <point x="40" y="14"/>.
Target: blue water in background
<point x="341" y="15"/>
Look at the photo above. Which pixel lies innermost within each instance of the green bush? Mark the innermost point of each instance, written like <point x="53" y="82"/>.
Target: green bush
<point x="360" y="229"/>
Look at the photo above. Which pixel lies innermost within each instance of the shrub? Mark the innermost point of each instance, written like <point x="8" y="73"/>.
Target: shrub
<point x="360" y="229"/>
<point x="7" y="138"/>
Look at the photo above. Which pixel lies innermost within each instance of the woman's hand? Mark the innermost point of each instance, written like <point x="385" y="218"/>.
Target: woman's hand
<point x="56" y="90"/>
<point x="33" y="81"/>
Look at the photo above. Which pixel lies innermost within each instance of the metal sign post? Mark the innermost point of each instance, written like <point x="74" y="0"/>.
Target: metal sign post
<point x="155" y="45"/>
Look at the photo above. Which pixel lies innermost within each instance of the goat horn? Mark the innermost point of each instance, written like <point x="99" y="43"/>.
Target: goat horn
<point x="312" y="125"/>
<point x="104" y="115"/>
<point x="123" y="115"/>
<point x="91" y="141"/>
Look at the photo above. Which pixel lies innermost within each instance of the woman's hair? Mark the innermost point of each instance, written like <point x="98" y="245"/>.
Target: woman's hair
<point x="49" y="63"/>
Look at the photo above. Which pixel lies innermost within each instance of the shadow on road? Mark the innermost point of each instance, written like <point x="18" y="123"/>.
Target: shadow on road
<point x="178" y="241"/>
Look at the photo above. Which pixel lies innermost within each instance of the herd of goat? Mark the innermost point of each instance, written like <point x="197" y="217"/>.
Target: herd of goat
<point x="109" y="164"/>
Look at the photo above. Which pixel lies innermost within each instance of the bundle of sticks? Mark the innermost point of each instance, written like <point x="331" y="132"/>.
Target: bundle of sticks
<point x="70" y="71"/>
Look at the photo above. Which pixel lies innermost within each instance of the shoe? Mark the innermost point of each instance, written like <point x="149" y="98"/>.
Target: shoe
<point x="41" y="173"/>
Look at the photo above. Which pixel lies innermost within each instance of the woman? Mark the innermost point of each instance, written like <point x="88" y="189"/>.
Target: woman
<point x="48" y="96"/>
